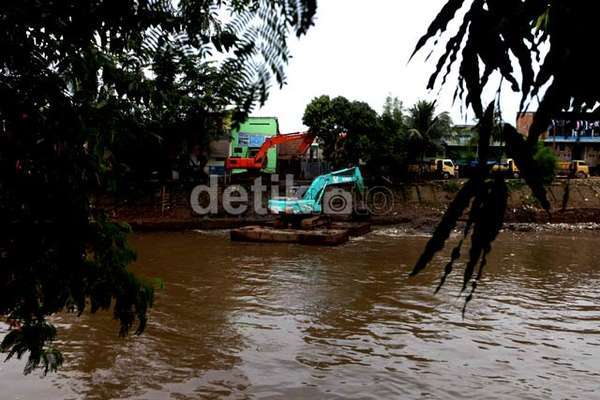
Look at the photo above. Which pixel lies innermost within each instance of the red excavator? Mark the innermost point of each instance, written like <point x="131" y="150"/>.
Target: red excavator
<point x="259" y="160"/>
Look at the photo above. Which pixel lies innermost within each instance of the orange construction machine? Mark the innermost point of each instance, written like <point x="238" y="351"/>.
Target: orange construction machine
<point x="259" y="160"/>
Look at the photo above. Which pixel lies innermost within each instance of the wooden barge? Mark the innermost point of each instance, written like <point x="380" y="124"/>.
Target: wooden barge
<point x="336" y="234"/>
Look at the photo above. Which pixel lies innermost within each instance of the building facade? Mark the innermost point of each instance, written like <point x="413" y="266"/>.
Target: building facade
<point x="250" y="135"/>
<point x="572" y="136"/>
<point x="243" y="141"/>
<point x="218" y="151"/>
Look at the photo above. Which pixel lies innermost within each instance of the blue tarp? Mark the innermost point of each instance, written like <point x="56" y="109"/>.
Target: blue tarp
<point x="247" y="139"/>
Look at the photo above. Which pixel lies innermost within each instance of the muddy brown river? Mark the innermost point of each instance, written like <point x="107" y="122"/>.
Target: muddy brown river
<point x="238" y="321"/>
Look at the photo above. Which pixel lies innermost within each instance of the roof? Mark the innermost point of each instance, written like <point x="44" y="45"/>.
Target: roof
<point x="467" y="141"/>
<point x="464" y="126"/>
<point x="262" y="126"/>
<point x="289" y="149"/>
<point x="572" y="139"/>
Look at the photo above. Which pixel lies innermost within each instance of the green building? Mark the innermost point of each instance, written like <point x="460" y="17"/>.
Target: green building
<point x="247" y="139"/>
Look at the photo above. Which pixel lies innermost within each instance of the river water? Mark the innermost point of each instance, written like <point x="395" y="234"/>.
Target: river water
<point x="285" y="321"/>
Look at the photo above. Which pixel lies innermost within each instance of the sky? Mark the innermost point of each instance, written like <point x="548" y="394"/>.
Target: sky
<point x="360" y="49"/>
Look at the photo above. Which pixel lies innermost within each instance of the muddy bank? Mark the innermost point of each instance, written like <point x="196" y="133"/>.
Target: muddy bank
<point x="566" y="216"/>
<point x="587" y="227"/>
<point x="158" y="224"/>
<point x="417" y="220"/>
<point x="417" y="207"/>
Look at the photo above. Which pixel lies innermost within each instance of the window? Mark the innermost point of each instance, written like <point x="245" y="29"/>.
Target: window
<point x="448" y="164"/>
<point x="243" y="139"/>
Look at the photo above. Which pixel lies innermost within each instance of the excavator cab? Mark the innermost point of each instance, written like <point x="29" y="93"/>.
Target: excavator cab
<point x="296" y="192"/>
<point x="311" y="201"/>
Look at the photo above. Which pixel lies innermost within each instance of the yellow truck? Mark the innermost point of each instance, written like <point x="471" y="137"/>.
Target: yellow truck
<point x="508" y="168"/>
<point x="437" y="168"/>
<point x="573" y="169"/>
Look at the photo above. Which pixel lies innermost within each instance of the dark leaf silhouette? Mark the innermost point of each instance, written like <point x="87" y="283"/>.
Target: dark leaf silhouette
<point x="440" y="22"/>
<point x="522" y="152"/>
<point x="487" y="224"/>
<point x="491" y="34"/>
<point x="500" y="29"/>
<point x="444" y="229"/>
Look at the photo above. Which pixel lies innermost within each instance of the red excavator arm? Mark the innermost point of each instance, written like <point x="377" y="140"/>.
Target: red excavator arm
<point x="259" y="161"/>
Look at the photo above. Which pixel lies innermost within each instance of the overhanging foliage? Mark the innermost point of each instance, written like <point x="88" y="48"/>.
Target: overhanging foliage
<point x="85" y="85"/>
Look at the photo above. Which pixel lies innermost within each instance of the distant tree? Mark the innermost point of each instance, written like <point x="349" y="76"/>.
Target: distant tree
<point x="426" y="129"/>
<point x="392" y="115"/>
<point x="386" y="149"/>
<point x="87" y="86"/>
<point x="342" y="127"/>
<point x="546" y="161"/>
<point x="351" y="132"/>
<point x="362" y="124"/>
<point x="320" y="119"/>
<point x="490" y="36"/>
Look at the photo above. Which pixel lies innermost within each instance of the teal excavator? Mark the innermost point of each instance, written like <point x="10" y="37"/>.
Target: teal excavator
<point x="310" y="203"/>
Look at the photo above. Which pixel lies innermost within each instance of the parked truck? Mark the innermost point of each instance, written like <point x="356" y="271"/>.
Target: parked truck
<point x="436" y="168"/>
<point x="573" y="169"/>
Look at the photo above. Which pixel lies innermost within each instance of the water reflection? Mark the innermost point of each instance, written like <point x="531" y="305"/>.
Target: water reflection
<point x="285" y="321"/>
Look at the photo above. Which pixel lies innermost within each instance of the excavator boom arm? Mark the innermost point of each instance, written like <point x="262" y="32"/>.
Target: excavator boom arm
<point x="259" y="160"/>
<point x="350" y="175"/>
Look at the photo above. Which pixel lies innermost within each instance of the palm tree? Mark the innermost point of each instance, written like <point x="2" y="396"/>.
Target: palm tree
<point x="426" y="129"/>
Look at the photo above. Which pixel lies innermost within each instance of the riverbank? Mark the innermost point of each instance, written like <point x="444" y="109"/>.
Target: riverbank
<point x="415" y="206"/>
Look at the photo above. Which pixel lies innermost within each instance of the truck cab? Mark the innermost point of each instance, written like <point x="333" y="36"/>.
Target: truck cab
<point x="446" y="168"/>
<point x="436" y="168"/>
<point x="579" y="169"/>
